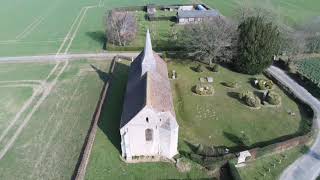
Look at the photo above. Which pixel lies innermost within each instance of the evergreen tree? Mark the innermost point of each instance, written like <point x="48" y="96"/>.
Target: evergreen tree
<point x="257" y="44"/>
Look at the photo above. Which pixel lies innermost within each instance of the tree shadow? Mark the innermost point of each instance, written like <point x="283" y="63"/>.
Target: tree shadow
<point x="235" y="95"/>
<point x="109" y="121"/>
<point x="99" y="36"/>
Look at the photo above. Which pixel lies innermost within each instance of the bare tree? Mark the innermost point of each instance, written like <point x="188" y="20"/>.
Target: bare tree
<point x="209" y="40"/>
<point x="121" y="27"/>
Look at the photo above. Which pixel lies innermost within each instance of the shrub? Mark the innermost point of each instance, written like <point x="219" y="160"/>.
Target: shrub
<point x="264" y="84"/>
<point x="210" y="151"/>
<point x="250" y="99"/>
<point x="203" y="89"/>
<point x="230" y="84"/>
<point x="200" y="68"/>
<point x="273" y="98"/>
<point x="215" y="67"/>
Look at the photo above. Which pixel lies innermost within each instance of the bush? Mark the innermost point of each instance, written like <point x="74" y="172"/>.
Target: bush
<point x="230" y="84"/>
<point x="215" y="68"/>
<point x="200" y="68"/>
<point x="273" y="98"/>
<point x="210" y="151"/>
<point x="250" y="99"/>
<point x="203" y="89"/>
<point x="264" y="84"/>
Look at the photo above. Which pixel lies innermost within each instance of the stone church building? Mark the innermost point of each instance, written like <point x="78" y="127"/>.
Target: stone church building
<point x="148" y="124"/>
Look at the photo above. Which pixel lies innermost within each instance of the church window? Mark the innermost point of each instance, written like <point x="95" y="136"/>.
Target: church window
<point x="149" y="134"/>
<point x="147" y="119"/>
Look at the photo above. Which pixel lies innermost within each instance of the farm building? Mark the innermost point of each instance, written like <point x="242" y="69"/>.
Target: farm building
<point x="148" y="124"/>
<point x="193" y="16"/>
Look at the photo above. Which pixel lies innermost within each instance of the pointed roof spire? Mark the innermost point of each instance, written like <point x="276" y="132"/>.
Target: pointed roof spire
<point x="148" y="61"/>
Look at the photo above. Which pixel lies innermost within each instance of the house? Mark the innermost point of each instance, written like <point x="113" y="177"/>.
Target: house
<point x="148" y="126"/>
<point x="194" y="16"/>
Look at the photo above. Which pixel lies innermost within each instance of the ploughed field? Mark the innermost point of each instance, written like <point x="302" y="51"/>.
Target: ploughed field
<point x="46" y="111"/>
<point x="222" y="119"/>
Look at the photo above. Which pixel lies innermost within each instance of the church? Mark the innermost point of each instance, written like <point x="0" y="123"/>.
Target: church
<point x="148" y="126"/>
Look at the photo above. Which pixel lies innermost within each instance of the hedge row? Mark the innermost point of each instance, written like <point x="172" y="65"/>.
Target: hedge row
<point x="131" y="8"/>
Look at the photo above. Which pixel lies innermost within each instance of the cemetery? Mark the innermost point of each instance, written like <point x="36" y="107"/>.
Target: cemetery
<point x="219" y="108"/>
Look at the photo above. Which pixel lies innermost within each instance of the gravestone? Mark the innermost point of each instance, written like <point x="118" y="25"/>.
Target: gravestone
<point x="210" y="79"/>
<point x="202" y="80"/>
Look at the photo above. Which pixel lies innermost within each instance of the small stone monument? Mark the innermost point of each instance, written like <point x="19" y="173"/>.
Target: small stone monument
<point x="174" y="74"/>
<point x="210" y="79"/>
<point x="242" y="158"/>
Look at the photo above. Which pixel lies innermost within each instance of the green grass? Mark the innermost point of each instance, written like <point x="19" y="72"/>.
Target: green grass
<point x="49" y="146"/>
<point x="105" y="160"/>
<point x="294" y="12"/>
<point x="256" y="169"/>
<point x="160" y="34"/>
<point x="219" y="119"/>
<point x="11" y="100"/>
<point x="24" y="71"/>
<point x="58" y="17"/>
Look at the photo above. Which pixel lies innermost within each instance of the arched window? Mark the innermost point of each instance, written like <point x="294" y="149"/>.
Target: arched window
<point x="147" y="119"/>
<point x="149" y="134"/>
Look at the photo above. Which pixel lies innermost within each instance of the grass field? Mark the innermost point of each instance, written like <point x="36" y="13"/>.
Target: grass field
<point x="276" y="163"/>
<point x="220" y="119"/>
<point x="45" y="141"/>
<point x="105" y="160"/>
<point x="43" y="26"/>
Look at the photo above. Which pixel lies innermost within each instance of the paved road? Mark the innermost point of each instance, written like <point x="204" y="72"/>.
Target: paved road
<point x="306" y="167"/>
<point x="67" y="57"/>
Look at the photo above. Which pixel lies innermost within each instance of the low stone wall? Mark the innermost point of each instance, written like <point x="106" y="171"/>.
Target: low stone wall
<point x="79" y="173"/>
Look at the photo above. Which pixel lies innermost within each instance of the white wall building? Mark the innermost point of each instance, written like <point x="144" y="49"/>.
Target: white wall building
<point x="148" y="124"/>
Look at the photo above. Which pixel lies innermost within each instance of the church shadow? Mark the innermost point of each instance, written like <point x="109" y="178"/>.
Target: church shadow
<point x="111" y="111"/>
<point x="102" y="75"/>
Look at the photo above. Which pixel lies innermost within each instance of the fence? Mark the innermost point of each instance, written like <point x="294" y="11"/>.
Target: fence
<point x="81" y="166"/>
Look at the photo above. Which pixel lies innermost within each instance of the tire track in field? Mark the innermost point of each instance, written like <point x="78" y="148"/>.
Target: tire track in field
<point x="26" y="105"/>
<point x="30" y="28"/>
<point x="69" y="32"/>
<point x="47" y="89"/>
<point x="53" y="134"/>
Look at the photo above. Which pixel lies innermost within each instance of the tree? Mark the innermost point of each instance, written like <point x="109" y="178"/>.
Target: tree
<point x="121" y="27"/>
<point x="257" y="44"/>
<point x="209" y="40"/>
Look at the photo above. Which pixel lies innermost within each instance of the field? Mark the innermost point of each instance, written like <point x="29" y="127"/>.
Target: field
<point x="45" y="116"/>
<point x="309" y="69"/>
<point x="276" y="163"/>
<point x="220" y="119"/>
<point x="105" y="160"/>
<point x="56" y="26"/>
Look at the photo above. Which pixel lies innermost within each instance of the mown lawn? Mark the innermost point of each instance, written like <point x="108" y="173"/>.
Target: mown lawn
<point x="259" y="169"/>
<point x="49" y="146"/>
<point x="220" y="119"/>
<point x="105" y="162"/>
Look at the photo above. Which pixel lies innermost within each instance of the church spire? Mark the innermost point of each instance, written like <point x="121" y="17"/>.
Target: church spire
<point x="148" y="61"/>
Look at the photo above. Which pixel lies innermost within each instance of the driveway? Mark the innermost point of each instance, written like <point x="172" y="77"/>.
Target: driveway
<point x="307" y="167"/>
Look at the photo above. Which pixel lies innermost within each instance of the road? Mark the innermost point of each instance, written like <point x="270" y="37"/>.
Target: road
<point x="67" y="57"/>
<point x="307" y="167"/>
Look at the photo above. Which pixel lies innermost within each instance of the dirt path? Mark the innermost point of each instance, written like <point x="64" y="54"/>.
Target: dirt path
<point x="307" y="166"/>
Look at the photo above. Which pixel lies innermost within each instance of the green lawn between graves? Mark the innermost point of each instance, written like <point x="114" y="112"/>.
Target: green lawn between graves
<point x="259" y="169"/>
<point x="105" y="162"/>
<point x="49" y="145"/>
<point x="219" y="119"/>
